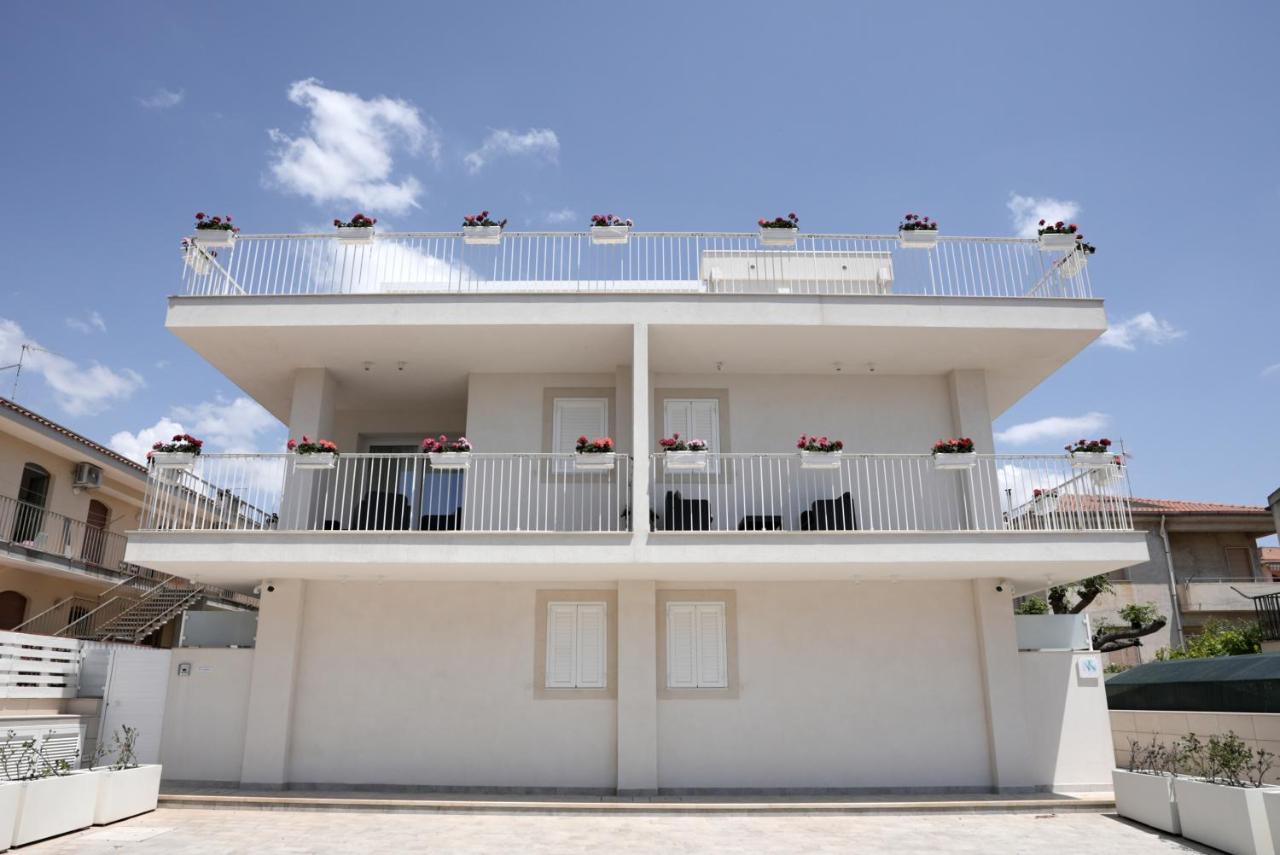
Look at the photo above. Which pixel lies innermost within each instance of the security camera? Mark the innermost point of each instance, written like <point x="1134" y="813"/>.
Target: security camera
<point x="1004" y="586"/>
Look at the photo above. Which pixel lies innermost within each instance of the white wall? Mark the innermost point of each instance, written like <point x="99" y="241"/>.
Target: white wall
<point x="204" y="724"/>
<point x="841" y="685"/>
<point x="1067" y="721"/>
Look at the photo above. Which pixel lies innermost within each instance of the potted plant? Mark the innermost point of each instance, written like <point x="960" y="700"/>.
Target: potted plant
<point x="917" y="232"/>
<point x="1222" y="802"/>
<point x="606" y="229"/>
<point x="215" y="231"/>
<point x="683" y="455"/>
<point x="780" y="231"/>
<point x="594" y="454"/>
<point x="1073" y="263"/>
<point x="1044" y="502"/>
<point x="313" y="453"/>
<point x="1144" y="791"/>
<point x="1091" y="454"/>
<point x="357" y="230"/>
<point x="955" y="453"/>
<point x="52" y="797"/>
<point x="445" y="453"/>
<point x="199" y="259"/>
<point x="481" y="230"/>
<point x="125" y="787"/>
<point x="178" y="453"/>
<point x="818" y="452"/>
<point x="1057" y="237"/>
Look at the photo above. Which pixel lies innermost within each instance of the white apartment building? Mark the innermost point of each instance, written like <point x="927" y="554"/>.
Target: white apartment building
<point x="532" y="622"/>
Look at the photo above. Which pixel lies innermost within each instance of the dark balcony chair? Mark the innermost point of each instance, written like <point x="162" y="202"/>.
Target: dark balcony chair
<point x="384" y="512"/>
<point x="687" y="514"/>
<point x="442" y="522"/>
<point x="761" y="522"/>
<point x="830" y="515"/>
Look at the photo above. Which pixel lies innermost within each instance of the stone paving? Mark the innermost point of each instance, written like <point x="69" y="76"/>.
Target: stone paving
<point x="187" y="831"/>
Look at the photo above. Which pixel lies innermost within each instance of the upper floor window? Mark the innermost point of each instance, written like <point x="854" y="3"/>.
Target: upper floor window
<point x="575" y="417"/>
<point x="576" y="645"/>
<point x="693" y="418"/>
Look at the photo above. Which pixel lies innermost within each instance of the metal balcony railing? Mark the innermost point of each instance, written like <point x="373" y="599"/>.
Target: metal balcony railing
<point x="390" y="492"/>
<point x="650" y="262"/>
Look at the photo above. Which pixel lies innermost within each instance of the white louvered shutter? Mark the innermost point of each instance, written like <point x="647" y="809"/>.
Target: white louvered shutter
<point x="677" y="418"/>
<point x="591" y="646"/>
<point x="704" y="417"/>
<point x="561" y="645"/>
<point x="712" y="653"/>
<point x="682" y="667"/>
<point x="575" y="417"/>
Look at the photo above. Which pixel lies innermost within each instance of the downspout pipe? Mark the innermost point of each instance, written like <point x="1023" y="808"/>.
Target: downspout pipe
<point x="1176" y="636"/>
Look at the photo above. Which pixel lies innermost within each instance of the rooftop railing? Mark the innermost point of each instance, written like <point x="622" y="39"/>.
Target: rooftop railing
<point x="649" y="262"/>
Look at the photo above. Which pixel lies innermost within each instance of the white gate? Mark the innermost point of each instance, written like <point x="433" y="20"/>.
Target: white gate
<point x="137" y="682"/>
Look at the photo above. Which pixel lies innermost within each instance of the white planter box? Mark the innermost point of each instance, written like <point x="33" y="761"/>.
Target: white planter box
<point x="918" y="238"/>
<point x="10" y="800"/>
<point x="55" y="805"/>
<point x="1052" y="632"/>
<point x="450" y="459"/>
<point x="1057" y="242"/>
<point x="1147" y="799"/>
<point x="199" y="263"/>
<point x="1073" y="264"/>
<point x="173" y="459"/>
<point x="123" y="793"/>
<point x="821" y="459"/>
<point x="1044" y="505"/>
<point x="1232" y="819"/>
<point x="214" y="238"/>
<point x="778" y="237"/>
<point x="315" y="460"/>
<point x="355" y="235"/>
<point x="482" y="235"/>
<point x="955" y="459"/>
<point x="594" y="461"/>
<point x="685" y="461"/>
<point x="1271" y="806"/>
<point x="1092" y="459"/>
<point x="610" y="234"/>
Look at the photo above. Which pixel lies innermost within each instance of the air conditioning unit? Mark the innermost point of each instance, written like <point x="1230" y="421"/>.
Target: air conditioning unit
<point x="87" y="476"/>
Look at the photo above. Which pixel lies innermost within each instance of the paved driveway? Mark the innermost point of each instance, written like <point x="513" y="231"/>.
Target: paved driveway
<point x="183" y="831"/>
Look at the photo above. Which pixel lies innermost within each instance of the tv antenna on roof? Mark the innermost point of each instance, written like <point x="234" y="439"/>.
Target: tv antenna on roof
<point x="22" y="357"/>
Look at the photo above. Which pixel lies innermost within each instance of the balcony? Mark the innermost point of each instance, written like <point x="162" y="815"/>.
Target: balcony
<point x="1236" y="594"/>
<point x="649" y="263"/>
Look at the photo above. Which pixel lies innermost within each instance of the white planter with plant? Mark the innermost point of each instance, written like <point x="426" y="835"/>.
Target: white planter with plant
<point x="917" y="232"/>
<point x="780" y="231"/>
<point x="954" y="453"/>
<point x="1074" y="262"/>
<point x="1044" y="502"/>
<point x="316" y="460"/>
<point x="215" y="231"/>
<point x="355" y="231"/>
<point x="445" y="453"/>
<point x="123" y="793"/>
<point x="818" y="452"/>
<point x="200" y="260"/>
<point x="1146" y="797"/>
<point x="594" y="455"/>
<point x="608" y="229"/>
<point x="10" y="801"/>
<point x="1271" y="806"/>
<point x="1233" y="819"/>
<point x="480" y="230"/>
<point x="173" y="459"/>
<point x="1091" y="454"/>
<point x="685" y="461"/>
<point x="1057" y="237"/>
<point x="55" y="805"/>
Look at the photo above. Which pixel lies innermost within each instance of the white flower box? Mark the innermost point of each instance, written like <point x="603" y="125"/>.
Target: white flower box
<point x="955" y="459"/>
<point x="610" y="234"/>
<point x="594" y="461"/>
<point x="315" y="460"/>
<point x="123" y="793"/>
<point x="214" y="238"/>
<point x="450" y="459"/>
<point x="1271" y="805"/>
<point x="1233" y="819"/>
<point x="918" y="238"/>
<point x="1073" y="264"/>
<point x="1057" y="242"/>
<point x="1044" y="505"/>
<point x="482" y="235"/>
<point x="685" y="461"/>
<point x="820" y="459"/>
<point x="199" y="262"/>
<point x="1092" y="459"/>
<point x="778" y="236"/>
<point x="55" y="805"/>
<point x="355" y="235"/>
<point x="1147" y="799"/>
<point x="10" y="801"/>
<point x="173" y="459"/>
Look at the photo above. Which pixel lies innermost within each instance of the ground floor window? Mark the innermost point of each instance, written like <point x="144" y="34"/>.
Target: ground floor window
<point x="576" y="645"/>
<point x="697" y="646"/>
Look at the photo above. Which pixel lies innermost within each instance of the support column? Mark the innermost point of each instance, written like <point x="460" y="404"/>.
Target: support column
<point x="641" y="442"/>
<point x="269" y="720"/>
<point x="1008" y="738"/>
<point x="311" y="412"/>
<point x="979" y="490"/>
<point x="637" y="688"/>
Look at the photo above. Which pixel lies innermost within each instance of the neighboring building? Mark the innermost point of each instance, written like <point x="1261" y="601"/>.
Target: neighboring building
<point x="1204" y="556"/>
<point x="525" y="618"/>
<point x="66" y="504"/>
<point x="1269" y="560"/>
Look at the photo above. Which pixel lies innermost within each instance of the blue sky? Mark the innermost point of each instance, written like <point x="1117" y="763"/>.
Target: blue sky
<point x="1157" y="123"/>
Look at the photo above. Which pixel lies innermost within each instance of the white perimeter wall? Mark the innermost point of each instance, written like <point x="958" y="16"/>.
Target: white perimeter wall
<point x="1067" y="721"/>
<point x="205" y="715"/>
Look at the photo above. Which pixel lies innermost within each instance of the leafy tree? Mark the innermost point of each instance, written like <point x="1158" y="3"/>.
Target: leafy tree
<point x="1143" y="619"/>
<point x="1218" y="638"/>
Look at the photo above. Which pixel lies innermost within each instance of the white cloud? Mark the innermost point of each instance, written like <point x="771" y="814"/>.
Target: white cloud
<point x="1271" y="369"/>
<point x="87" y="325"/>
<point x="538" y="143"/>
<point x="162" y="99"/>
<point x="562" y="216"/>
<point x="1028" y="211"/>
<point x="238" y="426"/>
<point x="345" y="153"/>
<point x="1054" y="428"/>
<point x="1145" y="328"/>
<point x="78" y="390"/>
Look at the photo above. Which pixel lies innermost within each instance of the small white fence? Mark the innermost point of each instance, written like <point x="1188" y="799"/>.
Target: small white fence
<point x="38" y="666"/>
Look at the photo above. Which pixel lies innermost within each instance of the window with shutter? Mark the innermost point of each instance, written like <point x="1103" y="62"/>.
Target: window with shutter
<point x="575" y="417"/>
<point x="694" y="418"/>
<point x="697" y="647"/>
<point x="576" y="646"/>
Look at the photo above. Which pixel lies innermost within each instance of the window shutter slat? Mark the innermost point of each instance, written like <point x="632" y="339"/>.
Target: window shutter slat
<point x="591" y="646"/>
<point x="712" y="672"/>
<point x="561" y="646"/>
<point x="681" y="647"/>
